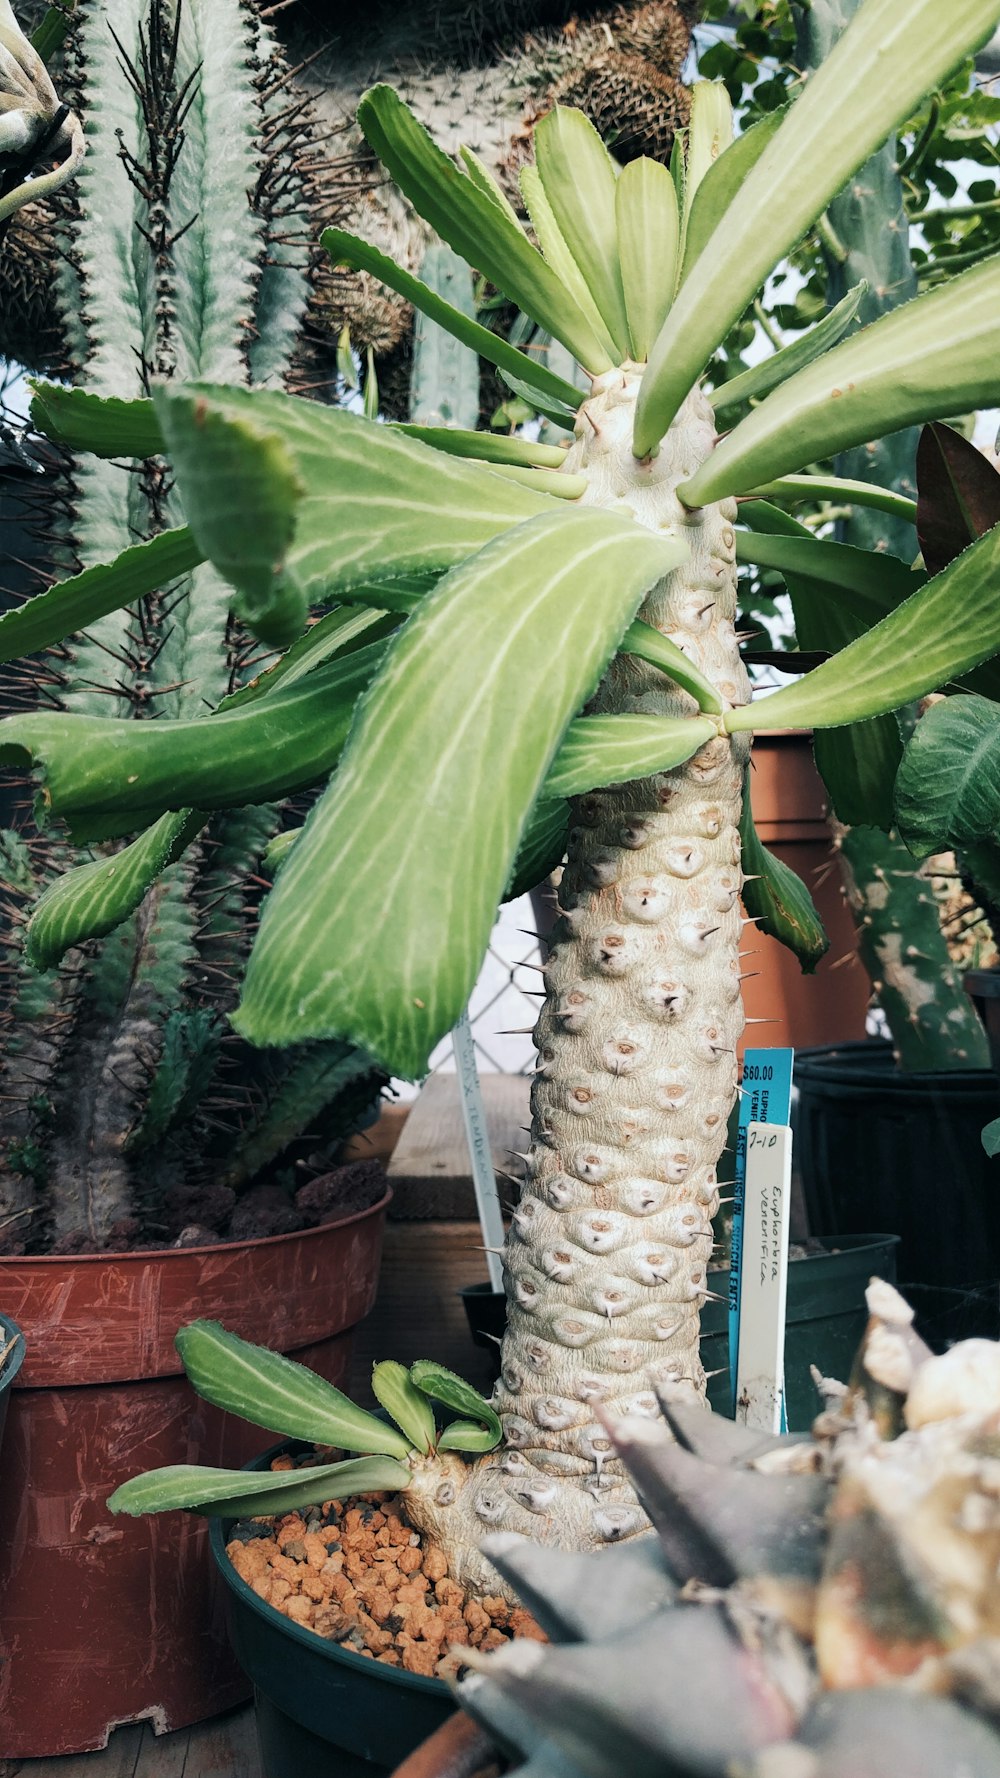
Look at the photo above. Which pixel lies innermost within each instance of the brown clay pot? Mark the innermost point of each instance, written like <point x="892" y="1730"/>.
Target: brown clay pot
<point x="107" y="1620"/>
<point x="788" y="799"/>
<point x="458" y="1749"/>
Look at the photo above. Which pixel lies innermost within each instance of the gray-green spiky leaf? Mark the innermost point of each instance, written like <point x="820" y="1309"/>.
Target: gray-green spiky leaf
<point x="275" y="1392"/>
<point x="504" y="632"/>
<point x="845" y="111"/>
<point x="395" y="1391"/>
<point x="244" y="1494"/>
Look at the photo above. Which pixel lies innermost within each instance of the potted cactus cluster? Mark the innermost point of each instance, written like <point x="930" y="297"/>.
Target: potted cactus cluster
<point x="527" y="653"/>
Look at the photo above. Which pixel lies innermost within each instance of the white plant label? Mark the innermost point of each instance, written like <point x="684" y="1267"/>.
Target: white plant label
<point x="478" y="1138"/>
<point x="760" y="1365"/>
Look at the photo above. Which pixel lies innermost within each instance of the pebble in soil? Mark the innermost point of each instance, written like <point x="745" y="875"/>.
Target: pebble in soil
<point x="358" y="1573"/>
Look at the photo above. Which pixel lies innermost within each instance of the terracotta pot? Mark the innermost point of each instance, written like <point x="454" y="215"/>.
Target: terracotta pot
<point x="108" y="1620"/>
<point x="789" y="808"/>
<point x="458" y="1749"/>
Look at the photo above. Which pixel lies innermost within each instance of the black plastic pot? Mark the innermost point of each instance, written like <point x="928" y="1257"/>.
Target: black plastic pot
<point x="11" y="1342"/>
<point x="825" y="1320"/>
<point x="902" y="1151"/>
<point x="322" y="1710"/>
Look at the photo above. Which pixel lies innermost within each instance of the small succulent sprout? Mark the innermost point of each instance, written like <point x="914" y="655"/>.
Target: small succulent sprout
<point x="395" y="1391"/>
<point x="34" y="125"/>
<point x="478" y="1429"/>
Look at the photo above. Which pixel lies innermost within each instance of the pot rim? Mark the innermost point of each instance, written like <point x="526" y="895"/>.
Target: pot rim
<point x="148" y="1255"/>
<point x="320" y="1646"/>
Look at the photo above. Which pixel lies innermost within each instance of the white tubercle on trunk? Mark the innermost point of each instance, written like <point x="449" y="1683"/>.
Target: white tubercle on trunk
<point x="607" y="1257"/>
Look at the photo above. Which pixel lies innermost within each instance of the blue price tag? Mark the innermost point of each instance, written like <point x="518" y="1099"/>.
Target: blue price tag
<point x="766" y="1098"/>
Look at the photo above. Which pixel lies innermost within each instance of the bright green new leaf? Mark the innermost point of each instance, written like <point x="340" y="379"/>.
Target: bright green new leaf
<point x="846" y="109"/>
<point x="275" y="1392"/>
<point x="278" y="851"/>
<point x="948" y="785"/>
<point x="950" y="625"/>
<point x="578" y="177"/>
<point x="465" y="1435"/>
<point x="601" y="750"/>
<point x="760" y="379"/>
<point x="454" y="1392"/>
<point x="374" y="504"/>
<point x="471" y="222"/>
<point x="396" y="1393"/>
<point x="649" y="645"/>
<point x="937" y="355"/>
<point x="103" y="424"/>
<point x="648" y="248"/>
<point x="75" y="604"/>
<point x="798" y="489"/>
<point x="723" y="178"/>
<point x="462" y="723"/>
<point x="349" y="250"/>
<point x="249" y="1494"/>
<point x="777" y="898"/>
<point x="557" y="254"/>
<point x="489" y="447"/>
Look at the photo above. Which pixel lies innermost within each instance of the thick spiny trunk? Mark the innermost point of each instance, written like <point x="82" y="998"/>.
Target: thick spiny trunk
<point x="606" y="1264"/>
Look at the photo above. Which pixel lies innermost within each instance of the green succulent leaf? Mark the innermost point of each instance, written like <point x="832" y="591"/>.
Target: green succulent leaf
<point x="937" y="355"/>
<point x="578" y="177"/>
<point x="760" y="379"/>
<point x="244" y="1494"/>
<point x="393" y="506"/>
<point x="75" y="604"/>
<point x="796" y="489"/>
<point x="542" y="848"/>
<point x="103" y="424"/>
<point x="278" y="851"/>
<point x="948" y="785"/>
<point x="846" y="109"/>
<point x="472" y="222"/>
<point x="394" y="1390"/>
<point x="488" y="447"/>
<point x="777" y="898"/>
<point x="648" y="225"/>
<point x="506" y="631"/>
<point x="275" y="1392"/>
<point x="454" y="1392"/>
<point x="722" y="183"/>
<point x="649" y="645"/>
<point x="348" y="250"/>
<point x="614" y="749"/>
<point x="875" y="579"/>
<point x="466" y="1435"/>
<point x="557" y="254"/>
<point x="943" y="630"/>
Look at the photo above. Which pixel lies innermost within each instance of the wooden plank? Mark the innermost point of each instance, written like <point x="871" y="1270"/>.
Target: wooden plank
<point x="225" y="1747"/>
<point x="419" y="1313"/>
<point x="429" y="1170"/>
<point x="379" y="1140"/>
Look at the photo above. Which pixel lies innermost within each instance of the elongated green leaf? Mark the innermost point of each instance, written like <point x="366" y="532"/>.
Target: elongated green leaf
<point x="247" y="1493"/>
<point x="722" y="182"/>
<point x="107" y="776"/>
<point x="613" y="749"/>
<point x="578" y="177"/>
<point x="950" y="625"/>
<point x="454" y="1392"/>
<point x="777" y="898"/>
<point x="891" y="54"/>
<point x="649" y="645"/>
<point x="348" y="250"/>
<point x="937" y="355"/>
<point x="648" y="227"/>
<point x="879" y="578"/>
<point x="395" y="1392"/>
<point x="275" y="1392"/>
<point x="92" y="899"/>
<point x="471" y="222"/>
<point x="481" y="176"/>
<point x="557" y="253"/>
<point x="760" y="379"/>
<point x="563" y="417"/>
<point x="948" y="785"/>
<point x="103" y="424"/>
<point x="542" y="848"/>
<point x="797" y="489"/>
<point x="363" y="501"/>
<point x="424" y="818"/>
<point x="74" y="604"/>
<point x="709" y="135"/>
<point x="490" y="447"/>
<point x="557" y="483"/>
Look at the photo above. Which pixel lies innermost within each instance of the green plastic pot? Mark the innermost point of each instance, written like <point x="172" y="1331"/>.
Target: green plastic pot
<point x="825" y="1320"/>
<point x="322" y="1710"/>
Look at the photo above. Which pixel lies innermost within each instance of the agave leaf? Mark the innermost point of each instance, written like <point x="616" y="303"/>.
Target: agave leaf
<point x="760" y="379"/>
<point x="723" y="179"/>
<point x="578" y="177"/>
<point x="937" y="355"/>
<point x="718" y="1440"/>
<point x="78" y="602"/>
<point x="867" y="1732"/>
<point x="557" y="253"/>
<point x="484" y="640"/>
<point x="777" y="898"/>
<point x="275" y="1392"/>
<point x="648" y="225"/>
<point x="948" y="785"/>
<point x="393" y="1390"/>
<point x="941" y="631"/>
<point x="602" y="750"/>
<point x="846" y="109"/>
<point x="471" y="222"/>
<point x="348" y="250"/>
<point x="103" y="424"/>
<point x="454" y="1392"/>
<point x="649" y="645"/>
<point x="584" y="1598"/>
<point x="245" y="1494"/>
<point x="958" y="495"/>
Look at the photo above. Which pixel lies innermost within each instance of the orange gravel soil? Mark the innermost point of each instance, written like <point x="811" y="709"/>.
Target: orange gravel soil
<point x="357" y="1572"/>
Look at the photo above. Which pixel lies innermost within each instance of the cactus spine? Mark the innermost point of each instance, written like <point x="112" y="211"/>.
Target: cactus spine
<point x="918" y="986"/>
<point x="182" y="252"/>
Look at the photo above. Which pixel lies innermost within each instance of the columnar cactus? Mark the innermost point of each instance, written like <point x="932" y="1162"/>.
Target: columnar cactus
<point x="183" y="252"/>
